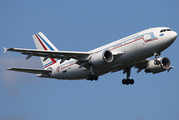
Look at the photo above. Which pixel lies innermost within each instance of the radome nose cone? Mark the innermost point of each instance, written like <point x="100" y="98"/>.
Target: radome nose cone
<point x="170" y="38"/>
<point x="174" y="35"/>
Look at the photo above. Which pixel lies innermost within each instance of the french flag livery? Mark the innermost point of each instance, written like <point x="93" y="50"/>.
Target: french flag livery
<point x="123" y="54"/>
<point x="42" y="43"/>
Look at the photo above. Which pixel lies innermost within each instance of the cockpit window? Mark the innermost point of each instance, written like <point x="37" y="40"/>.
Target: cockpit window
<point x="169" y="30"/>
<point x="163" y="30"/>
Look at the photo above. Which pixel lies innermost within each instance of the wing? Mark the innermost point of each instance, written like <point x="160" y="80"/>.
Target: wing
<point x="63" y="55"/>
<point x="27" y="70"/>
<point x="142" y="64"/>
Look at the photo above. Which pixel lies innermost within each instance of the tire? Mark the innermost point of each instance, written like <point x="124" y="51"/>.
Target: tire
<point x="87" y="77"/>
<point x="95" y="77"/>
<point x="123" y="81"/>
<point x="91" y="77"/>
<point x="132" y="81"/>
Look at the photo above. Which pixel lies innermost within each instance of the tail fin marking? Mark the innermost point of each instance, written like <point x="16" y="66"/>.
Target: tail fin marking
<point x="46" y="45"/>
<point x="44" y="42"/>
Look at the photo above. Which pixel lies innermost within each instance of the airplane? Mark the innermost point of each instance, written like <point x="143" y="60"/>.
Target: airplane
<point x="123" y="54"/>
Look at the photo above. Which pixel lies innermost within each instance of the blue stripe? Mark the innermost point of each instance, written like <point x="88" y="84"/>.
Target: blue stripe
<point x="46" y="43"/>
<point x="49" y="63"/>
<point x="69" y="62"/>
<point x="151" y="34"/>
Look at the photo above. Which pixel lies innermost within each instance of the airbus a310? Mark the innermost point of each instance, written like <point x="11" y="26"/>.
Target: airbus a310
<point x="123" y="54"/>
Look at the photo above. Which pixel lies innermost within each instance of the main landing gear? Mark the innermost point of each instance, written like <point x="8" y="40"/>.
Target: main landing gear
<point x="91" y="77"/>
<point x="128" y="81"/>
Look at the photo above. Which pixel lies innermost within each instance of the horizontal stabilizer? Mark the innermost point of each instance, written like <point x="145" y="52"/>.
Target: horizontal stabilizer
<point x="27" y="70"/>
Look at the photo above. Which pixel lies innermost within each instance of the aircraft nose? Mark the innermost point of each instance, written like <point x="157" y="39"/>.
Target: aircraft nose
<point x="173" y="35"/>
<point x="170" y="37"/>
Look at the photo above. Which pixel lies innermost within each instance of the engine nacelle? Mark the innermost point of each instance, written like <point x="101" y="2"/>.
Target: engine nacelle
<point x="101" y="58"/>
<point x="160" y="65"/>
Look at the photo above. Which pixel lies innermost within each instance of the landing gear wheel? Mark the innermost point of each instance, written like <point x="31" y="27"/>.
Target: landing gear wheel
<point x="92" y="77"/>
<point x="132" y="81"/>
<point x="156" y="62"/>
<point x="88" y="77"/>
<point x="95" y="77"/>
<point x="124" y="81"/>
<point x="128" y="81"/>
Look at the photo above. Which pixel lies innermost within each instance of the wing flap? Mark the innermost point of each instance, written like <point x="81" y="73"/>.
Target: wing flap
<point x="28" y="70"/>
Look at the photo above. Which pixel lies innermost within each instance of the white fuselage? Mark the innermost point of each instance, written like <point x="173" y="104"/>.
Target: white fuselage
<point x="137" y="47"/>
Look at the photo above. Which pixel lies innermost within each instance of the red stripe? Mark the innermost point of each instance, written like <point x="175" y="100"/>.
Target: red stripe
<point x="48" y="65"/>
<point x="118" y="47"/>
<point x="53" y="60"/>
<point x="134" y="41"/>
<point x="41" y="42"/>
<point x="110" y="49"/>
<point x="68" y="65"/>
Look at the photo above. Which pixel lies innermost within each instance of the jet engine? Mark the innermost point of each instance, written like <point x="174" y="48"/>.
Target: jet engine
<point x="158" y="65"/>
<point x="101" y="58"/>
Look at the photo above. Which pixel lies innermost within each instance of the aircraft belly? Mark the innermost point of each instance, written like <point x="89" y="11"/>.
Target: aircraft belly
<point x="134" y="52"/>
<point x="70" y="73"/>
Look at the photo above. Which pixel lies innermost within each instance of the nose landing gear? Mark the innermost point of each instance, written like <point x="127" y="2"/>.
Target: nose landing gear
<point x="157" y="62"/>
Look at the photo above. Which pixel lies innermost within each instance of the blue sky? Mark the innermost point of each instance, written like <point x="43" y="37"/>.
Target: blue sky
<point x="81" y="25"/>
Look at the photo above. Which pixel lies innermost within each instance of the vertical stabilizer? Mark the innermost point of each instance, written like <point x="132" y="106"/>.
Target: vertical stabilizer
<point x="42" y="43"/>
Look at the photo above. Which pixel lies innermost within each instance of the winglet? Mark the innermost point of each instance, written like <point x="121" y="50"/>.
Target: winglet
<point x="5" y="49"/>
